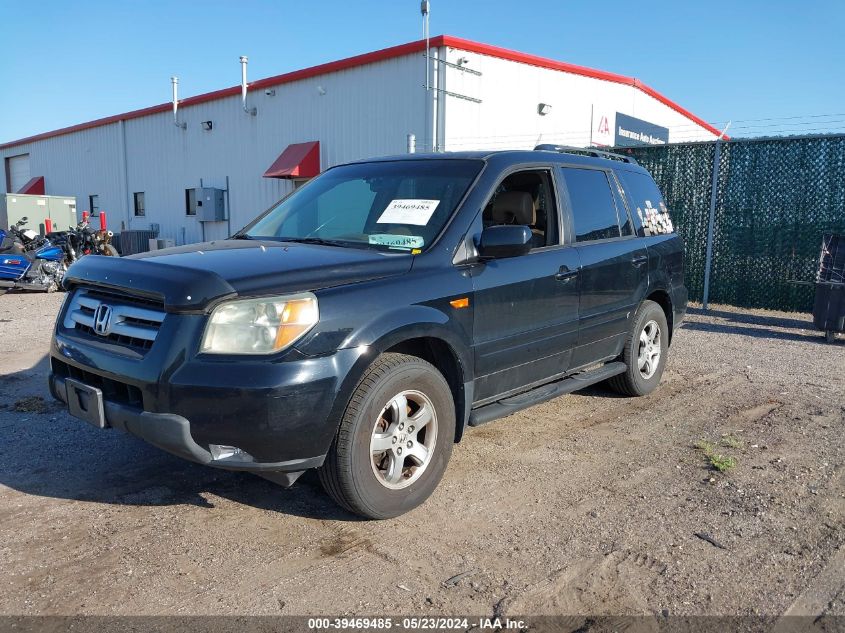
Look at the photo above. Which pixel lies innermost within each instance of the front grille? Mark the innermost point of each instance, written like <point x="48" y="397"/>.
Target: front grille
<point x="125" y="320"/>
<point x="113" y="390"/>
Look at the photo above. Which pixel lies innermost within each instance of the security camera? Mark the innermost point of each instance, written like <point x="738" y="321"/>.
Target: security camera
<point x="207" y="125"/>
<point x="270" y="92"/>
<point x="543" y="109"/>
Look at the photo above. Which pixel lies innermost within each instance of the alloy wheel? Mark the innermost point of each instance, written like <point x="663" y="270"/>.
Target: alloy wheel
<point x="403" y="440"/>
<point x="648" y="356"/>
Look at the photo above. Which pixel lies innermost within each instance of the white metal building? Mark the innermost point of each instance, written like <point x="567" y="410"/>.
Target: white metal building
<point x="144" y="169"/>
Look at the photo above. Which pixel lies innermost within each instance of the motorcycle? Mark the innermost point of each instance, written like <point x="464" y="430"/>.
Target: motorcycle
<point x="84" y="240"/>
<point x="29" y="262"/>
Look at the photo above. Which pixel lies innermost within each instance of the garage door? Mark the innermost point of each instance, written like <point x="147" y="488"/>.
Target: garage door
<point x="17" y="168"/>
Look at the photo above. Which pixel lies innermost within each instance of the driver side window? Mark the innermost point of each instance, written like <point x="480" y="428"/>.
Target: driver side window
<point x="527" y="198"/>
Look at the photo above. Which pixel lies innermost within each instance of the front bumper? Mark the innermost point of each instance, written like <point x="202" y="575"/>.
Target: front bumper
<point x="172" y="433"/>
<point x="283" y="412"/>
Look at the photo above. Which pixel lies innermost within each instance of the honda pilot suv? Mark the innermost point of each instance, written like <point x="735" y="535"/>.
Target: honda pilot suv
<point x="360" y="325"/>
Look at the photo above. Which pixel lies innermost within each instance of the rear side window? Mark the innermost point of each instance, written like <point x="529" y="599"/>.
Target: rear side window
<point x="651" y="217"/>
<point x="593" y="208"/>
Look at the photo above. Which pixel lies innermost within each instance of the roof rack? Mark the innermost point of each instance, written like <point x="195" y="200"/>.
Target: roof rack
<point x="589" y="151"/>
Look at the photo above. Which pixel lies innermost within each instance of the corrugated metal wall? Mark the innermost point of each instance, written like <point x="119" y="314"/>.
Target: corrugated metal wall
<point x="511" y="91"/>
<point x="78" y="165"/>
<point x="355" y="113"/>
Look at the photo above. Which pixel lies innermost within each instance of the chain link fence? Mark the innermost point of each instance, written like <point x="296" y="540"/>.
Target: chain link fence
<point x="775" y="199"/>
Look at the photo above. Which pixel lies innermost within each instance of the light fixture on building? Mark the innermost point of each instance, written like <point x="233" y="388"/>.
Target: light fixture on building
<point x="543" y="109"/>
<point x="270" y="92"/>
<point x="321" y="91"/>
<point x="207" y="125"/>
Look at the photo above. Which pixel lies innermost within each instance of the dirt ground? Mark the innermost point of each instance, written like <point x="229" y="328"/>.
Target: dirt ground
<point x="589" y="504"/>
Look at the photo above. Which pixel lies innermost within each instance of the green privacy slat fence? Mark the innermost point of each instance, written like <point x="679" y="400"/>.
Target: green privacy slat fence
<point x="775" y="200"/>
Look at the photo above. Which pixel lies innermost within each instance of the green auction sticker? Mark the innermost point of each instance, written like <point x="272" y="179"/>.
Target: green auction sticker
<point x="397" y="241"/>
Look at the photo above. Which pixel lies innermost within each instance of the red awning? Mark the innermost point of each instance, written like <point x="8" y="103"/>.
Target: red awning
<point x="35" y="186"/>
<point x="300" y="160"/>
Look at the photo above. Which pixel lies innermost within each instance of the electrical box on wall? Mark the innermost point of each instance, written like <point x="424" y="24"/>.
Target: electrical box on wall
<point x="211" y="206"/>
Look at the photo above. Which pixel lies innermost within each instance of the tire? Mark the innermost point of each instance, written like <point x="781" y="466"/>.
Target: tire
<point x="829" y="336"/>
<point x="110" y="250"/>
<point x="382" y="484"/>
<point x="637" y="381"/>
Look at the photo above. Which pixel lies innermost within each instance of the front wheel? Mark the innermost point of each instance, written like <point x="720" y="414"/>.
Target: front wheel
<point x="394" y="441"/>
<point x="110" y="250"/>
<point x="645" y="352"/>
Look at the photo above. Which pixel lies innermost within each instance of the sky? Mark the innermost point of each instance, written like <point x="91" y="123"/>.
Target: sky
<point x="769" y="67"/>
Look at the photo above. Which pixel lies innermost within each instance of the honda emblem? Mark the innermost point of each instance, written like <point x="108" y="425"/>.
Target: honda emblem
<point x="102" y="319"/>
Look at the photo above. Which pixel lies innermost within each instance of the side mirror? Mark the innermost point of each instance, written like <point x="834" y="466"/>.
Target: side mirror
<point x="505" y="241"/>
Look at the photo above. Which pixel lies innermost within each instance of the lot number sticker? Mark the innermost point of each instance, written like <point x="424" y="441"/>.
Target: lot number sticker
<point x="409" y="211"/>
<point x="397" y="241"/>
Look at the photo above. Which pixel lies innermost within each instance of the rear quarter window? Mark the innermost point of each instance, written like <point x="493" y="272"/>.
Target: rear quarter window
<point x="651" y="217"/>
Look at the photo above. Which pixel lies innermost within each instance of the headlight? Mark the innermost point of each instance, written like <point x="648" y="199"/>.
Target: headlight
<point x="259" y="326"/>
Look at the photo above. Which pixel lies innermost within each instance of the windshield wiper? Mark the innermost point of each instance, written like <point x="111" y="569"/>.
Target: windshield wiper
<point x="240" y="236"/>
<point x="315" y="240"/>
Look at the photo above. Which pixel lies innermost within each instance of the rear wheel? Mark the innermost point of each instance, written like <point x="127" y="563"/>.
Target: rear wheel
<point x="645" y="352"/>
<point x="394" y="440"/>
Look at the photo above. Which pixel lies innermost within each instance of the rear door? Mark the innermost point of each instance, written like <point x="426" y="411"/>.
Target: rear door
<point x="525" y="308"/>
<point x="614" y="271"/>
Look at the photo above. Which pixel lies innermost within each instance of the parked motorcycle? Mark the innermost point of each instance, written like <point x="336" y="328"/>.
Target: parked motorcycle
<point x="28" y="238"/>
<point x="84" y="240"/>
<point x="29" y="262"/>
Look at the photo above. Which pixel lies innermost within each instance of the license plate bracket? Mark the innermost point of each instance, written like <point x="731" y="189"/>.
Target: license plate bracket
<point x="86" y="403"/>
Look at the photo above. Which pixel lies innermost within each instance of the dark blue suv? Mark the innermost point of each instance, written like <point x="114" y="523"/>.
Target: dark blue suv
<point x="363" y="322"/>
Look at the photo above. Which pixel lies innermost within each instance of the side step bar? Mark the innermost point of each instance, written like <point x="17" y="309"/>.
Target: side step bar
<point x="543" y="393"/>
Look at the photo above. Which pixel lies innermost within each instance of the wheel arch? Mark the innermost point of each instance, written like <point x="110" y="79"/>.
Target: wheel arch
<point x="431" y="342"/>
<point x="440" y="353"/>
<point x="662" y="298"/>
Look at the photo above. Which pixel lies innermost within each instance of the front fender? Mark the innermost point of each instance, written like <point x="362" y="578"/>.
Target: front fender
<point x="398" y="326"/>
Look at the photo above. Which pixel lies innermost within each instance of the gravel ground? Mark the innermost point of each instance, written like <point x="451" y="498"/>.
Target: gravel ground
<point x="589" y="504"/>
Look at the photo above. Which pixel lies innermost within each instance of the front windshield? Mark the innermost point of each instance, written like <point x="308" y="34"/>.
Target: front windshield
<point x="400" y="205"/>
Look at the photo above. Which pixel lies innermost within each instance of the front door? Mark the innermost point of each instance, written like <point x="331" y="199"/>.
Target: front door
<point x="525" y="308"/>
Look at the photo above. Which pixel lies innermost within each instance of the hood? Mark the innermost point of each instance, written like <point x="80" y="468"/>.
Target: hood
<point x="189" y="277"/>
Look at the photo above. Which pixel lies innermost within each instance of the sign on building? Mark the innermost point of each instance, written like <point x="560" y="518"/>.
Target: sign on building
<point x="633" y="132"/>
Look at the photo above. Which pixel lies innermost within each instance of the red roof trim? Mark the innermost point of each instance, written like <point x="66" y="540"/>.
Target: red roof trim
<point x="370" y="58"/>
<point x="299" y="160"/>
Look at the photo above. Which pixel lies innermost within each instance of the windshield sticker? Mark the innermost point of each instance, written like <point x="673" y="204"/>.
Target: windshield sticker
<point x="397" y="241"/>
<point x="409" y="211"/>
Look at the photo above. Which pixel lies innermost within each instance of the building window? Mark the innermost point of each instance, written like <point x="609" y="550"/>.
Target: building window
<point x="140" y="207"/>
<point x="94" y="205"/>
<point x="190" y="201"/>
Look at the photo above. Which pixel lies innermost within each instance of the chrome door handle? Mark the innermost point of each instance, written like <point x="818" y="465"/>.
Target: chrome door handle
<point x="564" y="274"/>
<point x="639" y="260"/>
